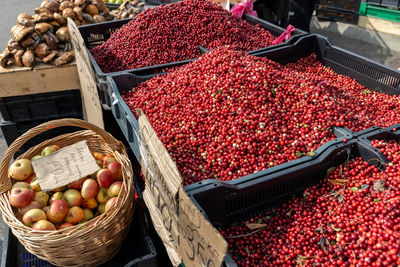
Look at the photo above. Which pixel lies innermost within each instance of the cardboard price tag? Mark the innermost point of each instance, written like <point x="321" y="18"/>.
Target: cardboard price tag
<point x="200" y="244"/>
<point x="64" y="166"/>
<point x="161" y="187"/>
<point x="90" y="96"/>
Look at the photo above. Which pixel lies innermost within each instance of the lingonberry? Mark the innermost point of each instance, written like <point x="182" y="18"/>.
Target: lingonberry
<point x="170" y="33"/>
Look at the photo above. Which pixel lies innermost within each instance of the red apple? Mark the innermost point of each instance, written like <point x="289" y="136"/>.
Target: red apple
<point x="89" y="189"/>
<point x="43" y="225"/>
<point x="56" y="196"/>
<point x="114" y="189"/>
<point x="32" y="205"/>
<point x="21" y="197"/>
<point x="90" y="203"/>
<point x="111" y="203"/>
<point x="30" y="178"/>
<point x="116" y="169"/>
<point x="75" y="215"/>
<point x="73" y="197"/>
<point x="57" y="211"/>
<point x="32" y="216"/>
<point x="108" y="159"/>
<point x="77" y="184"/>
<point x="20" y="170"/>
<point x="105" y="178"/>
<point x="65" y="225"/>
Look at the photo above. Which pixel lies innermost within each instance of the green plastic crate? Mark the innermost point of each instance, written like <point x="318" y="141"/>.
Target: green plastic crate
<point x="380" y="12"/>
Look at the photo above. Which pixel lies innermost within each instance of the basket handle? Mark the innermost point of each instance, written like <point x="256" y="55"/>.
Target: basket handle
<point x="5" y="183"/>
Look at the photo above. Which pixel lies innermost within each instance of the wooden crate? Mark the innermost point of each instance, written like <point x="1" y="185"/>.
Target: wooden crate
<point x="15" y="81"/>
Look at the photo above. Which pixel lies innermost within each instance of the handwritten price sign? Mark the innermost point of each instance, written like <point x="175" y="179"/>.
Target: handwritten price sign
<point x="65" y="166"/>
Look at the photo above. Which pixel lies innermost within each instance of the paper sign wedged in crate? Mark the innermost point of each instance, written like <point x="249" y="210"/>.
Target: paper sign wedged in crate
<point x="185" y="232"/>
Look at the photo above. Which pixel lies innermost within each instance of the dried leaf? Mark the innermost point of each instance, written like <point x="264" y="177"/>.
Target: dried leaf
<point x="354" y="189"/>
<point x="340" y="198"/>
<point x="376" y="200"/>
<point x="340" y="169"/>
<point x="339" y="181"/>
<point x="247" y="250"/>
<point x="289" y="213"/>
<point x="255" y="226"/>
<point x="336" y="229"/>
<point x="268" y="217"/>
<point x="365" y="186"/>
<point x="319" y="229"/>
<point x="301" y="260"/>
<point x="379" y="186"/>
<point x="322" y="244"/>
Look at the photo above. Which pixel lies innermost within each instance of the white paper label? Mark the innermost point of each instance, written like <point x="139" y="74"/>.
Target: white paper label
<point x="65" y="166"/>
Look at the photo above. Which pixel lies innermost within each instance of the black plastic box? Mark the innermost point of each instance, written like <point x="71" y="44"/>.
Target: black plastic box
<point x="224" y="204"/>
<point x="137" y="249"/>
<point x="95" y="34"/>
<point x="41" y="106"/>
<point x="339" y="10"/>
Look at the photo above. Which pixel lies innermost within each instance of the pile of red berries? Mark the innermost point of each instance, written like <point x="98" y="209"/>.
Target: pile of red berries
<point x="229" y="114"/>
<point x="350" y="218"/>
<point x="170" y="33"/>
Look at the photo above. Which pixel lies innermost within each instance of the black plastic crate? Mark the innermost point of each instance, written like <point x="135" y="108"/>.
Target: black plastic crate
<point x="41" y="106"/>
<point x="137" y="249"/>
<point x="224" y="204"/>
<point x="12" y="131"/>
<point x="338" y="11"/>
<point x="385" y="3"/>
<point x="349" y="5"/>
<point x="94" y="35"/>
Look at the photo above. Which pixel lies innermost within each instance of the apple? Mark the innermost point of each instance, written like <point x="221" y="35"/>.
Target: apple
<point x="30" y="178"/>
<point x="35" y="185"/>
<point x="88" y="215"/>
<point x="57" y="211"/>
<point x="32" y="216"/>
<point x="116" y="169"/>
<point x="45" y="209"/>
<point x="21" y="169"/>
<point x="21" y="197"/>
<point x="101" y="208"/>
<point x="89" y="189"/>
<point x="49" y="150"/>
<point x="111" y="203"/>
<point x="60" y="189"/>
<point x="65" y="225"/>
<point x="77" y="184"/>
<point x="43" y="225"/>
<point x="75" y="215"/>
<point x="105" y="178"/>
<point x="56" y="196"/>
<point x="36" y="157"/>
<point x="42" y="198"/>
<point x="102" y="195"/>
<point x="73" y="197"/>
<point x="21" y="185"/>
<point x="90" y="203"/>
<point x="114" y="189"/>
<point x="108" y="159"/>
<point x="32" y="205"/>
<point x="98" y="155"/>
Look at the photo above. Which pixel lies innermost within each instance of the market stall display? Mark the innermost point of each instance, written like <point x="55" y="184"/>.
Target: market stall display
<point x="74" y="236"/>
<point x="44" y="38"/>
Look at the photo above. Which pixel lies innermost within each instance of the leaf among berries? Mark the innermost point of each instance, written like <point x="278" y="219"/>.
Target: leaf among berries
<point x="379" y="185"/>
<point x="255" y="226"/>
<point x="301" y="260"/>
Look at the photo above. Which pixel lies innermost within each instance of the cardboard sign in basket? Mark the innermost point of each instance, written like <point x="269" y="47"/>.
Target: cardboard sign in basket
<point x="185" y="232"/>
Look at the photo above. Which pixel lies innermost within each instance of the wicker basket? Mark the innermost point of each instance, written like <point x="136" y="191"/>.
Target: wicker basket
<point x="87" y="244"/>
